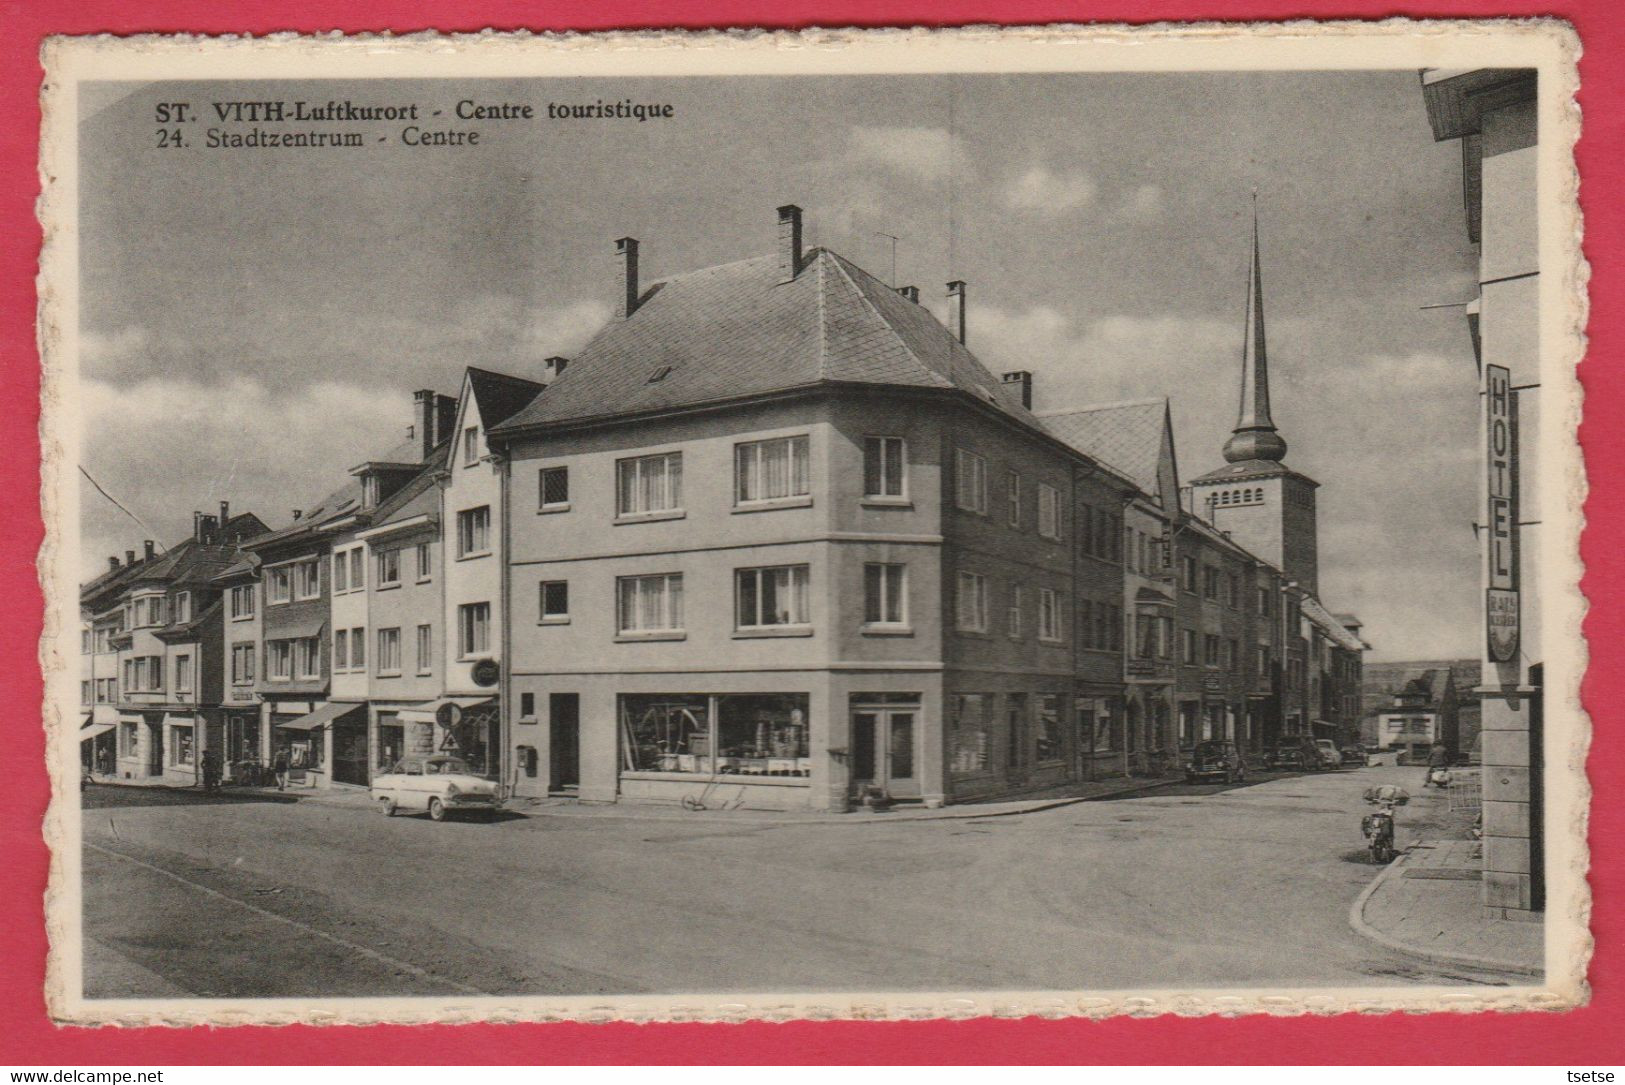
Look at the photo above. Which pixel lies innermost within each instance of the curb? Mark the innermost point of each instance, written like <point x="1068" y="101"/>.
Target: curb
<point x="1456" y="960"/>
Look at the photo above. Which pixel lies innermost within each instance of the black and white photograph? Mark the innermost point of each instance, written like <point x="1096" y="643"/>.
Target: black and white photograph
<point x="860" y="524"/>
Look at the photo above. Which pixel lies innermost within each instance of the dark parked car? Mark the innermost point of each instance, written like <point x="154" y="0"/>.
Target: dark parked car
<point x="1294" y="753"/>
<point x="1216" y="761"/>
<point x="1354" y="756"/>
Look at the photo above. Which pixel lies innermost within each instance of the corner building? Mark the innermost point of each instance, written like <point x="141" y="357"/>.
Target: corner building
<point x="777" y="538"/>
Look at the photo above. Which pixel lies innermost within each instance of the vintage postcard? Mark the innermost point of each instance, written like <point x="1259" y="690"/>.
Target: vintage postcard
<point x="1064" y="520"/>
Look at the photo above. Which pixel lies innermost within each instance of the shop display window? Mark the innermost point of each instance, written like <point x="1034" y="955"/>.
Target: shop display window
<point x="726" y="734"/>
<point x="972" y="730"/>
<point x="180" y="745"/>
<point x="1049" y="727"/>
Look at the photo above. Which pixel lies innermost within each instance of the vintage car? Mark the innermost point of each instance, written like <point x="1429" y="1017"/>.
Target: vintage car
<point x="1330" y="756"/>
<point x="440" y="784"/>
<point x="1216" y="761"/>
<point x="1354" y="756"/>
<point x="1294" y="753"/>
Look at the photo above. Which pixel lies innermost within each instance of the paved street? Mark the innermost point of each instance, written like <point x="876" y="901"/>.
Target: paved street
<point x="1181" y="887"/>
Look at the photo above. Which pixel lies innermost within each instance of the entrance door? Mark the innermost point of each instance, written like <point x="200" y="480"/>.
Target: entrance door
<point x="564" y="740"/>
<point x="884" y="745"/>
<point x="155" y="749"/>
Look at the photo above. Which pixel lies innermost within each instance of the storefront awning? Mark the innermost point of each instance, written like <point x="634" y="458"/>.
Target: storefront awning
<point x="297" y="629"/>
<point x="93" y="730"/>
<point x="319" y="718"/>
<point x="428" y="711"/>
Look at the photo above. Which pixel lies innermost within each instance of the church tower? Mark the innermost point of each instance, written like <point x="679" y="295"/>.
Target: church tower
<point x="1255" y="498"/>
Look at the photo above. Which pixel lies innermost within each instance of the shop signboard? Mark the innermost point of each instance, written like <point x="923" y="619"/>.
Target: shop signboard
<point x="1501" y="603"/>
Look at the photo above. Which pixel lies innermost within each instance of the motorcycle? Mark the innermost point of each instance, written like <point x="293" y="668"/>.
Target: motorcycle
<point x="1378" y="826"/>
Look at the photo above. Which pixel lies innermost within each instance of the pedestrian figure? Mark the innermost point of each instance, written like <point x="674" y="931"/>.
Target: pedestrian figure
<point x="211" y="771"/>
<point x="1438" y="758"/>
<point x="280" y="767"/>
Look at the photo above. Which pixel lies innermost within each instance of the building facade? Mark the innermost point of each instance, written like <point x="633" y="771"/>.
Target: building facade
<point x="778" y="538"/>
<point x="1492" y="111"/>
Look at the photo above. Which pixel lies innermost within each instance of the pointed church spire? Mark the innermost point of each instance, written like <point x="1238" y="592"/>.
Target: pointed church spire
<point x="1255" y="437"/>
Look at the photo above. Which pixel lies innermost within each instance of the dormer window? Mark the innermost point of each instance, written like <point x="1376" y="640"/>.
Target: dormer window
<point x="369" y="491"/>
<point x="471" y="446"/>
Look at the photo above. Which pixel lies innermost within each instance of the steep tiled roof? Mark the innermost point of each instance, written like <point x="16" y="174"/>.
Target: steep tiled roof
<point x="418" y="497"/>
<point x="1126" y="435"/>
<point x="190" y="630"/>
<point x="736" y="330"/>
<point x="499" y="395"/>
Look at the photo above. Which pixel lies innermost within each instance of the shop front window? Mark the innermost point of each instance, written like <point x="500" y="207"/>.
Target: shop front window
<point x="972" y="731"/>
<point x="1049" y="727"/>
<point x="734" y="734"/>
<point x="180" y="745"/>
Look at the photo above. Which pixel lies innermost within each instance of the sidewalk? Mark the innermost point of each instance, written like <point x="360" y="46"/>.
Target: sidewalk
<point x="358" y="798"/>
<point x="1426" y="904"/>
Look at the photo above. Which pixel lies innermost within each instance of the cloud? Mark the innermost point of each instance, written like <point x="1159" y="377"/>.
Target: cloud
<point x="927" y="154"/>
<point x="125" y="349"/>
<point x="1140" y="207"/>
<point x="166" y="446"/>
<point x="1043" y="190"/>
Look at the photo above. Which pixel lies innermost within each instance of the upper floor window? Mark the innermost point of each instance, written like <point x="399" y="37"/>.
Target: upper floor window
<point x="1233" y="590"/>
<point x="306" y="579"/>
<point x="183" y="606"/>
<point x="1049" y="511"/>
<point x="424" y="567"/>
<point x="241" y="601"/>
<point x="970" y="475"/>
<point x="389" y="569"/>
<point x="471" y="446"/>
<point x="341" y="571"/>
<point x="1187" y="566"/>
<point x="771" y="470"/>
<point x="473" y="629"/>
<point x="341" y="650"/>
<point x="388" y="657"/>
<point x="1210" y="583"/>
<point x="242" y="663"/>
<point x="972" y="603"/>
<point x="425" y="649"/>
<point x="649" y="484"/>
<point x="1210" y="650"/>
<point x="1187" y="646"/>
<point x="1264" y="601"/>
<point x="650" y="604"/>
<point x="358" y="569"/>
<point x="149" y="610"/>
<point x="774" y="596"/>
<point x="884" y="594"/>
<point x="279" y="584"/>
<point x="553" y="486"/>
<point x="1012" y="612"/>
<point x="279" y="660"/>
<point x="555" y="601"/>
<point x="474" y="531"/>
<point x="883" y="459"/>
<point x="308" y="657"/>
<point x="84" y="641"/>
<point x="1049" y="614"/>
<point x="1012" y="497"/>
<point x="183" y="674"/>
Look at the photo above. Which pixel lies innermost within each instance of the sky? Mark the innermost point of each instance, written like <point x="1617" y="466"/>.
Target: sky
<point x="253" y="323"/>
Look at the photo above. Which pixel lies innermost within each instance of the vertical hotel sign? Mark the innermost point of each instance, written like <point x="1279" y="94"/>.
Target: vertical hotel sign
<point x="1501" y="612"/>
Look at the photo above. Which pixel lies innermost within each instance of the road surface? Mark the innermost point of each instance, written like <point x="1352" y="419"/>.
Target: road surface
<point x="1185" y="887"/>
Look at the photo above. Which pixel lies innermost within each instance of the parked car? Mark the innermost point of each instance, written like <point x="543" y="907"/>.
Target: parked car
<point x="1216" y="761"/>
<point x="440" y="784"/>
<point x="1329" y="756"/>
<point x="1354" y="755"/>
<point x="1294" y="753"/>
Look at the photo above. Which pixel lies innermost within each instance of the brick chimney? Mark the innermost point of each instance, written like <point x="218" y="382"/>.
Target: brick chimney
<point x="1023" y="382"/>
<point x="129" y="557"/>
<point x="112" y="563"/>
<point x="912" y="293"/>
<point x="298" y="513"/>
<point x="789" y="242"/>
<point x="225" y="513"/>
<point x="956" y="309"/>
<point x="445" y="417"/>
<point x="553" y="366"/>
<point x="423" y="413"/>
<point x="626" y="259"/>
<point x="148" y="549"/>
<point x="207" y="527"/>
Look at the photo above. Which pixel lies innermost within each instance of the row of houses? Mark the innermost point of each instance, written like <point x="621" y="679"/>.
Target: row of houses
<point x="775" y="529"/>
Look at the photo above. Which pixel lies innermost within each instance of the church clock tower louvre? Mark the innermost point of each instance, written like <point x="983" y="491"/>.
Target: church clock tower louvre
<point x="1255" y="498"/>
